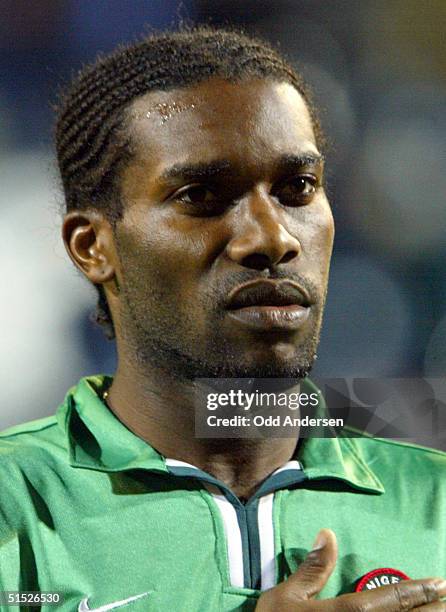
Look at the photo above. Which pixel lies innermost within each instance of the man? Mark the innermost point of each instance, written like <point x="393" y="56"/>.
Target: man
<point x="193" y="176"/>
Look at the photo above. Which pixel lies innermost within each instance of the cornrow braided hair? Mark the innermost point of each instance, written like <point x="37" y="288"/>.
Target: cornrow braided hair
<point x="91" y="141"/>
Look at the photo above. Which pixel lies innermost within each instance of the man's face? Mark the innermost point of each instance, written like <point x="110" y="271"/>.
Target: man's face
<point x="226" y="237"/>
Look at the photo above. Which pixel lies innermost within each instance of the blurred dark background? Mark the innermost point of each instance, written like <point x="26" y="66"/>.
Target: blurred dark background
<point x="378" y="72"/>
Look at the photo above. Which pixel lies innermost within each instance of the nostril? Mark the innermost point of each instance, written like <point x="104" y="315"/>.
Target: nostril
<point x="288" y="256"/>
<point x="256" y="261"/>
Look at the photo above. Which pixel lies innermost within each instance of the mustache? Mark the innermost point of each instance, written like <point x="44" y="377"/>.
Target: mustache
<point x="219" y="294"/>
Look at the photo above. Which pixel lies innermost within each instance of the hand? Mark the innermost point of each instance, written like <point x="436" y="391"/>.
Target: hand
<point x="296" y="594"/>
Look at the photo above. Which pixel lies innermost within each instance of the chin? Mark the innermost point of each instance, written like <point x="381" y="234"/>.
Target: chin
<point x="271" y="370"/>
<point x="299" y="367"/>
<point x="279" y="360"/>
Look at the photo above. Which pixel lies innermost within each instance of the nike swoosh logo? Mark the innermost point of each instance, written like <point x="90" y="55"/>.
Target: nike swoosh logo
<point x="84" y="607"/>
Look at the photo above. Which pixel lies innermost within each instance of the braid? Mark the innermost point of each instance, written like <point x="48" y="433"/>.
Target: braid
<point x="91" y="140"/>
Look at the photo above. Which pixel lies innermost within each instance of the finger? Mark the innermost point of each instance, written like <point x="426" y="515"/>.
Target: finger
<point x="438" y="606"/>
<point x="406" y="595"/>
<point x="315" y="570"/>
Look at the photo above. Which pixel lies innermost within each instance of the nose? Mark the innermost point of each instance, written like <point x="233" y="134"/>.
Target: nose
<point x="261" y="240"/>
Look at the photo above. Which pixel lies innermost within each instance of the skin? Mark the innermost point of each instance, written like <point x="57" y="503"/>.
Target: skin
<point x="169" y="265"/>
<point x="297" y="593"/>
<point x="185" y="241"/>
<point x="215" y="249"/>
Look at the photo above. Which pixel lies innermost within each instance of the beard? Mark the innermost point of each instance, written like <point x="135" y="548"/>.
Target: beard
<point x="162" y="337"/>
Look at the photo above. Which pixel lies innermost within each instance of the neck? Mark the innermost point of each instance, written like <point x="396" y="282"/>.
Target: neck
<point x="161" y="410"/>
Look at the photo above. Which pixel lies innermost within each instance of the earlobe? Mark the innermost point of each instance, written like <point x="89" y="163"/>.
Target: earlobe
<point x="88" y="239"/>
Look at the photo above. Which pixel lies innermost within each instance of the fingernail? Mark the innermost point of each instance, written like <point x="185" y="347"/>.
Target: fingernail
<point x="320" y="541"/>
<point x="440" y="585"/>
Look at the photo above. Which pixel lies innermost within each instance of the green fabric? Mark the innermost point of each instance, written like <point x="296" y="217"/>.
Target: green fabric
<point x="89" y="509"/>
<point x="246" y="513"/>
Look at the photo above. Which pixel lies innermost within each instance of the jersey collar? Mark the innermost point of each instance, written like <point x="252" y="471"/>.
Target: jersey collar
<point x="97" y="440"/>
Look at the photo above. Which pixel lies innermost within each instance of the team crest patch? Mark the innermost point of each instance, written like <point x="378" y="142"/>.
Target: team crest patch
<point x="379" y="578"/>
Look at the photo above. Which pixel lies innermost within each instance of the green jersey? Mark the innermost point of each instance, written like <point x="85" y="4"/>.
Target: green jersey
<point x="91" y="511"/>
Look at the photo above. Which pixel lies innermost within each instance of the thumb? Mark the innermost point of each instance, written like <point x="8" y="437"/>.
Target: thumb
<point x="316" y="569"/>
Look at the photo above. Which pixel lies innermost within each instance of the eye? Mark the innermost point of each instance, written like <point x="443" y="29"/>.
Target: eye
<point x="198" y="195"/>
<point x="199" y="201"/>
<point x="298" y="191"/>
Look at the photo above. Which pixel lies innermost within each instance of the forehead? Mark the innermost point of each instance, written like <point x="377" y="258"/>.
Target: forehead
<point x="249" y="121"/>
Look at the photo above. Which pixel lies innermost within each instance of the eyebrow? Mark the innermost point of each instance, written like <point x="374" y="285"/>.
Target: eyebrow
<point x="223" y="167"/>
<point x="197" y="171"/>
<point x="288" y="163"/>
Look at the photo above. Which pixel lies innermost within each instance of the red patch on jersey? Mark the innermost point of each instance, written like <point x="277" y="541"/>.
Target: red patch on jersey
<point x="379" y="578"/>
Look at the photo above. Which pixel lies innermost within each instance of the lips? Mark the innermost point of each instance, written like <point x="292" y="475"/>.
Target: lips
<point x="267" y="293"/>
<point x="269" y="305"/>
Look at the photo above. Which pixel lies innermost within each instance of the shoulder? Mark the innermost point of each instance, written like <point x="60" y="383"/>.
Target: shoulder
<point x="398" y="447"/>
<point x="36" y="443"/>
<point x="28" y="438"/>
<point x="28" y="450"/>
<point x="28" y="453"/>
<point x="399" y="459"/>
<point x="28" y="427"/>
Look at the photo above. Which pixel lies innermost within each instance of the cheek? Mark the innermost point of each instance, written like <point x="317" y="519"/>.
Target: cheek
<point x="166" y="261"/>
<point x="317" y="234"/>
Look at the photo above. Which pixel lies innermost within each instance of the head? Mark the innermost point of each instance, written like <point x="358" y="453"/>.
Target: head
<point x="192" y="164"/>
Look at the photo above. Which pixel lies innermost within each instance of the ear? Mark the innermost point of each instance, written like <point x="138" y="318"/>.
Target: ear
<point x="88" y="239"/>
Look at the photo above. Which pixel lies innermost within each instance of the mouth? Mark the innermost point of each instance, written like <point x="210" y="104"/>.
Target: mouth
<point x="269" y="305"/>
